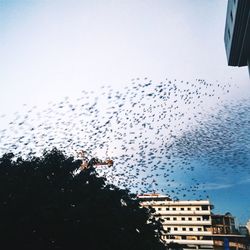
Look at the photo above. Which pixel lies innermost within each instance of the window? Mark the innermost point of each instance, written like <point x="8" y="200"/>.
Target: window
<point x="159" y="209"/>
<point x="207" y="228"/>
<point x="197" y="208"/>
<point x="183" y="218"/>
<point x="169" y="229"/>
<point x="189" y="218"/>
<point x="174" y="208"/>
<point x="168" y="218"/>
<point x="167" y="208"/>
<point x="204" y="207"/>
<point x="183" y="229"/>
<point x="182" y="208"/>
<point x="189" y="208"/>
<point x="198" y="218"/>
<point x="175" y="229"/>
<point x="191" y="229"/>
<point x="191" y="238"/>
<point x="174" y="218"/>
<point x="199" y="229"/>
<point x="205" y="217"/>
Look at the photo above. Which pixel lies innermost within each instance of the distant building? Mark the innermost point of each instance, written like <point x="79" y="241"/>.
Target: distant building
<point x="248" y="226"/>
<point x="237" y="33"/>
<point x="223" y="224"/>
<point x="225" y="235"/>
<point x="187" y="223"/>
<point x="243" y="230"/>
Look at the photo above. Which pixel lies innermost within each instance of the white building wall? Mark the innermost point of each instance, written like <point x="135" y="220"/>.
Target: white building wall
<point x="186" y="222"/>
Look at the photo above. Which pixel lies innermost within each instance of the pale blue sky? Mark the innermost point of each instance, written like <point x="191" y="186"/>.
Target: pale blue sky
<point x="52" y="49"/>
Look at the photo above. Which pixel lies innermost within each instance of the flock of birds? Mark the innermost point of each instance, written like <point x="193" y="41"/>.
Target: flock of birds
<point x="153" y="132"/>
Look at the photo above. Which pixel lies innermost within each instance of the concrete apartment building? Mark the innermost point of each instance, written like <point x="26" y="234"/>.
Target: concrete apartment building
<point x="225" y="234"/>
<point x="186" y="222"/>
<point x="237" y="33"/>
<point x="223" y="224"/>
<point x="192" y="224"/>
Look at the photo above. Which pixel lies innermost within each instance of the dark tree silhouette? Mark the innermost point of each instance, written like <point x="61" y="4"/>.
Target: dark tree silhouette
<point x="43" y="205"/>
<point x="175" y="246"/>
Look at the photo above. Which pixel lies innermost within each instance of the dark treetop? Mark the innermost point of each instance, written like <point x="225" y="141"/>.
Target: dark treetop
<point x="43" y="205"/>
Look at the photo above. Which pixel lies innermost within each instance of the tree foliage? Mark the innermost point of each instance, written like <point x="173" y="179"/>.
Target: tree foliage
<point x="43" y="205"/>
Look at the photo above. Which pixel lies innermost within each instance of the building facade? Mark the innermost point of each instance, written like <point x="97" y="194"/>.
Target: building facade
<point x="192" y="225"/>
<point x="223" y="224"/>
<point x="237" y="33"/>
<point x="187" y="223"/>
<point x="243" y="230"/>
<point x="248" y="227"/>
<point x="225" y="234"/>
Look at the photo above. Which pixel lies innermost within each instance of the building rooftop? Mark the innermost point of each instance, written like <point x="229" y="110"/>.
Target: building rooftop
<point x="154" y="196"/>
<point x="157" y="198"/>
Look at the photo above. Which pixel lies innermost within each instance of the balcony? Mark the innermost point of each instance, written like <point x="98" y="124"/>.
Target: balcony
<point x="190" y="233"/>
<point x="194" y="212"/>
<point x="192" y="242"/>
<point x="187" y="223"/>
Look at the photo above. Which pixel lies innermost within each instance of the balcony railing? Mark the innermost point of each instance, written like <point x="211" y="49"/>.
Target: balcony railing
<point x="191" y="242"/>
<point x="187" y="223"/>
<point x="190" y="233"/>
<point x="196" y="212"/>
